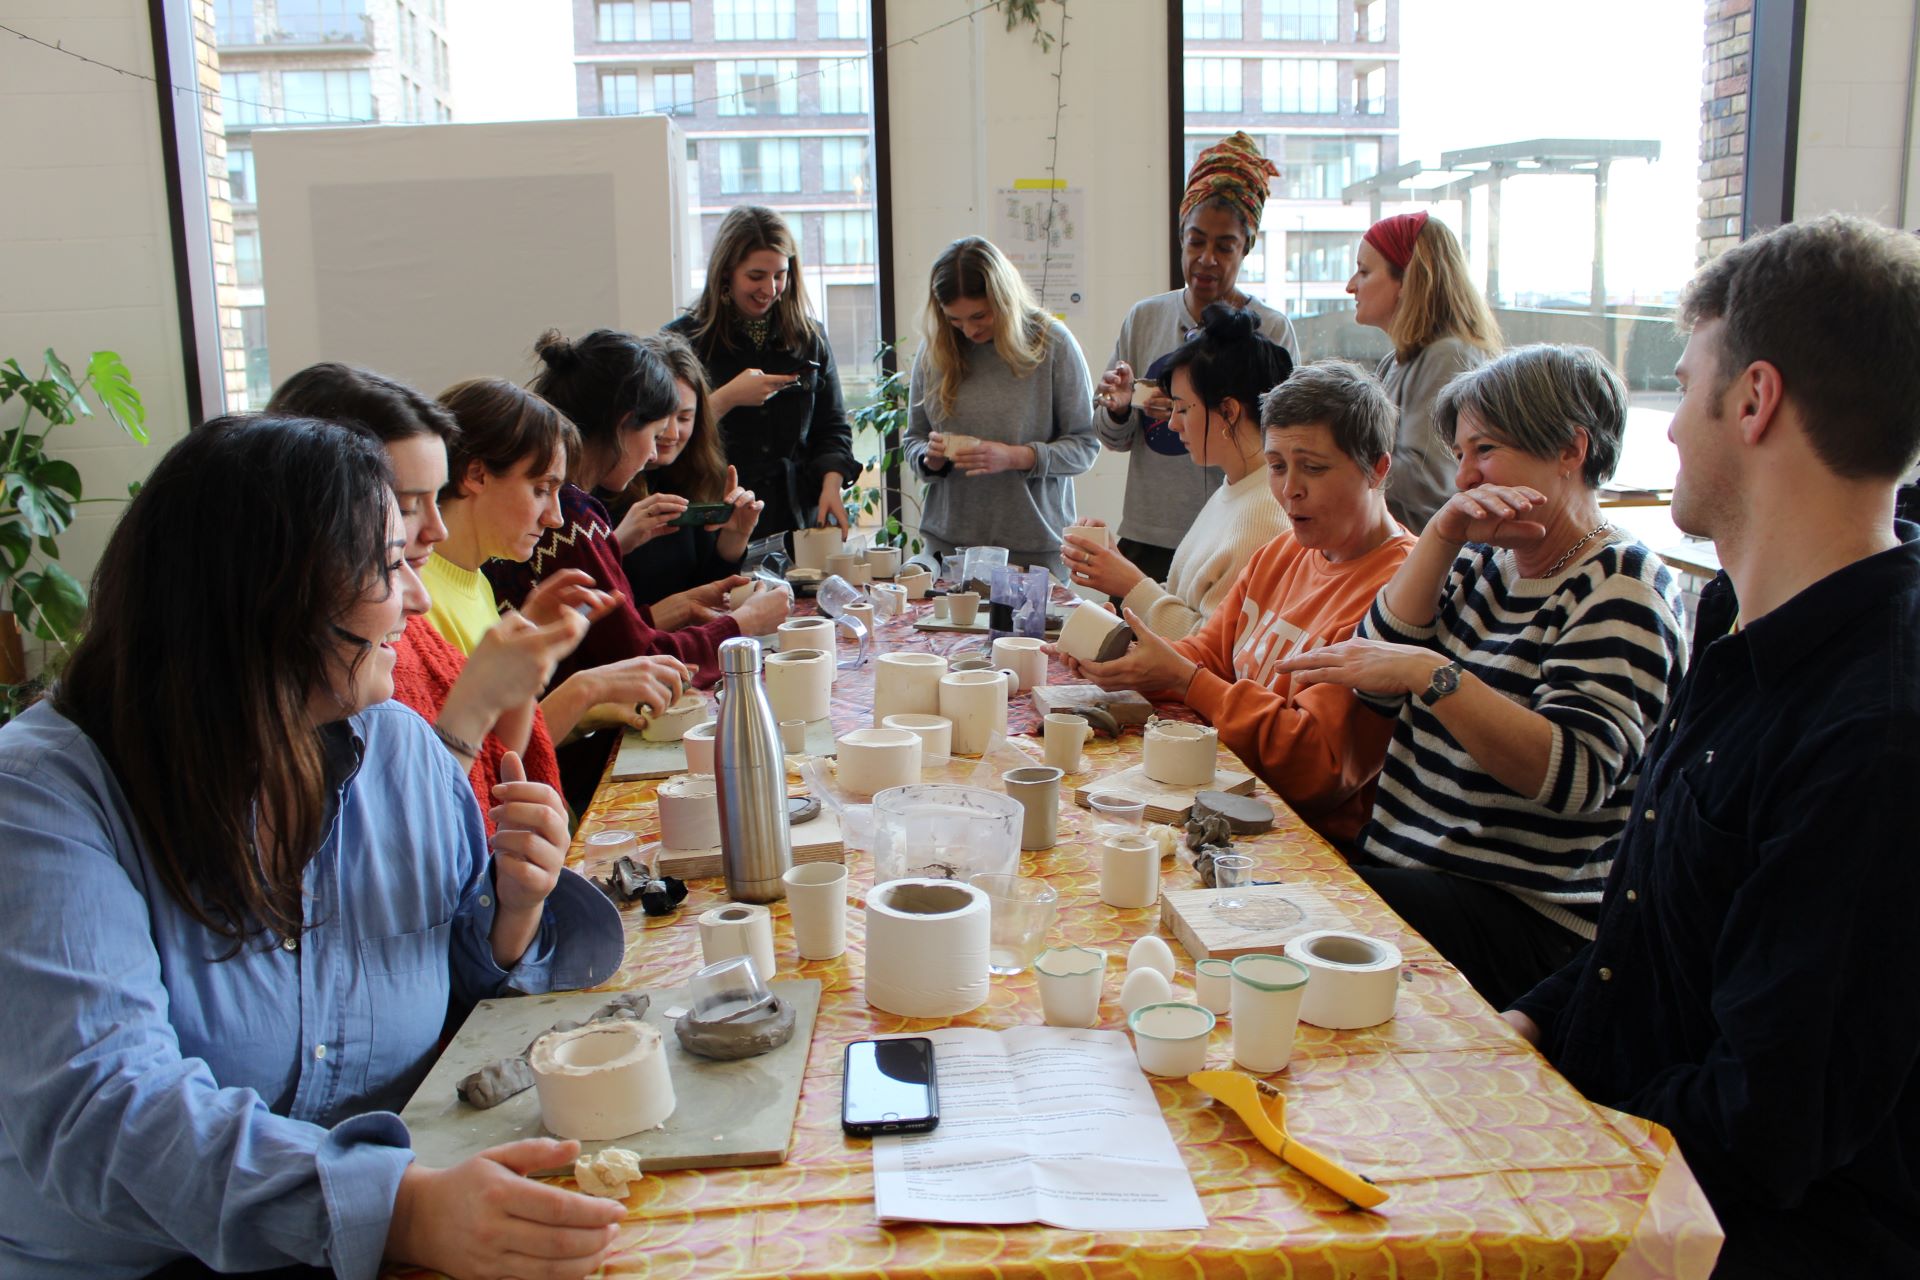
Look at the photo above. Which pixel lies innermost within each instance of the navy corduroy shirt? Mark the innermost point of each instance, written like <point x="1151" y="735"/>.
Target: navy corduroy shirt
<point x="1749" y="987"/>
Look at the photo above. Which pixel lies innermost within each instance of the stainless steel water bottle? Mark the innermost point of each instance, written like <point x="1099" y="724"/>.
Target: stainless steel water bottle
<point x="756" y="848"/>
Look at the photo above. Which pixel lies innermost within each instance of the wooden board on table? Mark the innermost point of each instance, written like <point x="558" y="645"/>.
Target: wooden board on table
<point x="725" y="1114"/>
<point x="1271" y="916"/>
<point x="1124" y="705"/>
<point x="639" y="760"/>
<point x="1164" y="803"/>
<point x="817" y="840"/>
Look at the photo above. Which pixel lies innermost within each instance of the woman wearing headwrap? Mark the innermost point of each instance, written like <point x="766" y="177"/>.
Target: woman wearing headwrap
<point x="1219" y="218"/>
<point x="1412" y="282"/>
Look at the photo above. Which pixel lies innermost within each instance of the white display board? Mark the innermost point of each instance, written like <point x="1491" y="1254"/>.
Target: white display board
<point x="440" y="252"/>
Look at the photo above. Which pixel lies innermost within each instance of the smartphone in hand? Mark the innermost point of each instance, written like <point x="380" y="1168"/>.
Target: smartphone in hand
<point x="889" y="1086"/>
<point x="698" y="515"/>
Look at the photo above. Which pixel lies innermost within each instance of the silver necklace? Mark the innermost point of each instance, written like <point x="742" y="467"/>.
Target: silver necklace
<point x="1561" y="563"/>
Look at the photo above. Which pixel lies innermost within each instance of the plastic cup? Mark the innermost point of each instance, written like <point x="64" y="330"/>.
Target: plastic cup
<point x="1022" y="910"/>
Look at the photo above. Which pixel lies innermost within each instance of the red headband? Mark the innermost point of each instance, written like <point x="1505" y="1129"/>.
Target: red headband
<point x="1394" y="237"/>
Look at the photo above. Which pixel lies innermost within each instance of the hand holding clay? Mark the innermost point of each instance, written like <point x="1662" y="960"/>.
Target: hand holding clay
<point x="709" y="600"/>
<point x="515" y="659"/>
<point x="484" y="1218"/>
<point x="762" y="613"/>
<point x="1152" y="665"/>
<point x="567" y="591"/>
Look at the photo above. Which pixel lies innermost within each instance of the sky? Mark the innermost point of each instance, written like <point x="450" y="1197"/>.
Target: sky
<point x="512" y="60"/>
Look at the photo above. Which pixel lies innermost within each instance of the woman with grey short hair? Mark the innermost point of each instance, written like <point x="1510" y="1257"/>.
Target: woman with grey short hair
<point x="1527" y="649"/>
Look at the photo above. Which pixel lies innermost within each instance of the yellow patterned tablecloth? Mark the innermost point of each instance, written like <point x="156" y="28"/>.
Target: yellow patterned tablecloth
<point x="1496" y="1166"/>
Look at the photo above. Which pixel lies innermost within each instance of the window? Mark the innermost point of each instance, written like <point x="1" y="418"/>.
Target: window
<point x="1321" y="257"/>
<point x="619" y="93"/>
<point x="1299" y="20"/>
<point x="323" y="19"/>
<point x="1297" y="86"/>
<point x="240" y="100"/>
<point x="843" y="164"/>
<point x="613" y="20"/>
<point x="1213" y="84"/>
<point x="843" y="19"/>
<point x="233" y="21"/>
<point x="753" y="19"/>
<point x="766" y="88"/>
<point x="672" y="20"/>
<point x="673" y="90"/>
<point x="853" y="327"/>
<point x="847" y="238"/>
<point x="246" y="259"/>
<point x="253" y="339"/>
<point x="326" y="97"/>
<point x="240" y="174"/>
<point x="1319" y="168"/>
<point x="843" y="87"/>
<point x="1370" y="21"/>
<point x="1253" y="267"/>
<point x="1212" y="19"/>
<point x="751" y="166"/>
<point x="1370" y="91"/>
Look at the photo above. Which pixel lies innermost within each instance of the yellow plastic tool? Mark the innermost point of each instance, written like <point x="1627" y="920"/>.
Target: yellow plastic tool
<point x="1264" y="1110"/>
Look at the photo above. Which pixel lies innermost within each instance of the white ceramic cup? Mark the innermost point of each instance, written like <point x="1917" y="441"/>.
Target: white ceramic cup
<point x="871" y="760"/>
<point x="845" y="564"/>
<point x="976" y="702"/>
<point x="817" y="903"/>
<point x="1037" y="788"/>
<point x="1171" y="1039"/>
<point x="1025" y="656"/>
<point x="807" y="633"/>
<point x="942" y="611"/>
<point x="1071" y="979"/>
<point x="740" y="594"/>
<point x="1267" y="991"/>
<point x="1086" y="631"/>
<point x="811" y="547"/>
<point x="883" y="561"/>
<point x="793" y="737"/>
<point x="864" y="612"/>
<point x="915" y="580"/>
<point x="889" y="599"/>
<point x="907" y="684"/>
<point x="1065" y="736"/>
<point x="936" y="732"/>
<point x="1129" y="871"/>
<point x="1213" y="985"/>
<point x="963" y="607"/>
<point x="1181" y="755"/>
<point x="799" y="683"/>
<point x="1099" y="535"/>
<point x="699" y="745"/>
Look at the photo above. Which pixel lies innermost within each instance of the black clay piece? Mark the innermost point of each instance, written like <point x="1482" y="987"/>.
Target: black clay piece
<point x="1099" y="718"/>
<point x="802" y="809"/>
<point x="741" y="1038"/>
<point x="494" y="1083"/>
<point x="1244" y="815"/>
<point x="624" y="881"/>
<point x="1209" y="830"/>
<point x="1115" y="645"/>
<point x="663" y="896"/>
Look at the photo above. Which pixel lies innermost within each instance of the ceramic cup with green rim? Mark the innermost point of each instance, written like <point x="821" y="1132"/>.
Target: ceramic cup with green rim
<point x="1267" y="991"/>
<point x="1171" y="1038"/>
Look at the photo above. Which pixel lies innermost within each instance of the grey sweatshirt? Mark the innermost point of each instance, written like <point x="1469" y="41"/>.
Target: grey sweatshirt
<point x="1050" y="409"/>
<point x="1165" y="491"/>
<point x="1423" y="467"/>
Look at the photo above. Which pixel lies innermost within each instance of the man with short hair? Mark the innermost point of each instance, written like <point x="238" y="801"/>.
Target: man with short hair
<point x="1747" y="985"/>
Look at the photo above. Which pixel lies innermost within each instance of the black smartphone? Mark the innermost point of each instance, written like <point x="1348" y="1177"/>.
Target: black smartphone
<point x="888" y="1086"/>
<point x="699" y="515"/>
<point x="803" y="374"/>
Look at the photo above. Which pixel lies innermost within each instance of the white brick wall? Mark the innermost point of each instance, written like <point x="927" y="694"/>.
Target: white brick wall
<point x="1855" y="105"/>
<point x="84" y="243"/>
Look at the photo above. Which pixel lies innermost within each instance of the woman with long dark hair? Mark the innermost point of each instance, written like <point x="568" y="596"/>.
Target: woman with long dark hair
<point x="776" y="390"/>
<point x="241" y="890"/>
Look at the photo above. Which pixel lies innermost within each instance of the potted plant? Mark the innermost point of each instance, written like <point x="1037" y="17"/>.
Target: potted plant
<point x="39" y="494"/>
<point x="884" y="418"/>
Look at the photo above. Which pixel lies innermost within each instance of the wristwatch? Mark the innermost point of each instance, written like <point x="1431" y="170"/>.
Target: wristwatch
<point x="1445" y="680"/>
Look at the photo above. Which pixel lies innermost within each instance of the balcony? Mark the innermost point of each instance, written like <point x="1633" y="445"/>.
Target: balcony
<point x="301" y="33"/>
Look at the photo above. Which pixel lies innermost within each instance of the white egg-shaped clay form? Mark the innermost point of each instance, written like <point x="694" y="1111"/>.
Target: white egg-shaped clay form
<point x="1144" y="987"/>
<point x="1151" y="953"/>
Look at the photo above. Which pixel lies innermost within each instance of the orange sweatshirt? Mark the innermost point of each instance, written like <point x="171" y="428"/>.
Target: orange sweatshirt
<point x="1321" y="750"/>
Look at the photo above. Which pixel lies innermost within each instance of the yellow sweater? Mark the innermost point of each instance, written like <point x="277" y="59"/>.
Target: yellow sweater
<point x="463" y="605"/>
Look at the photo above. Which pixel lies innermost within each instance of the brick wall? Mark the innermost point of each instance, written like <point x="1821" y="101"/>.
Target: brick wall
<point x="233" y="356"/>
<point x="1723" y="125"/>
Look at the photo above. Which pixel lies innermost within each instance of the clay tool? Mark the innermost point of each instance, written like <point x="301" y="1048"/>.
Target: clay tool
<point x="1263" y="1108"/>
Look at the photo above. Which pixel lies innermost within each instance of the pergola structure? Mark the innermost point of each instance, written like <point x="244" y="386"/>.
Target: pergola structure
<point x="1490" y="167"/>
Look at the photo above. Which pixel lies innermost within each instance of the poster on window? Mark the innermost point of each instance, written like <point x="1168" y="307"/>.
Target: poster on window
<point x="1038" y="225"/>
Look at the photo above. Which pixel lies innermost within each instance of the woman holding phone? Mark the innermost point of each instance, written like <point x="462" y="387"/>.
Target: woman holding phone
<point x="776" y="390"/>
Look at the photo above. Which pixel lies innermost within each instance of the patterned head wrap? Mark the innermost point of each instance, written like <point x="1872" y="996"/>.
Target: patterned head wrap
<point x="1233" y="170"/>
<point x="1393" y="237"/>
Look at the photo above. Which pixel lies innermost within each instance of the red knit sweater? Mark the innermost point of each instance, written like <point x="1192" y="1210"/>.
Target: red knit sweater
<point x="585" y="541"/>
<point x="424" y="669"/>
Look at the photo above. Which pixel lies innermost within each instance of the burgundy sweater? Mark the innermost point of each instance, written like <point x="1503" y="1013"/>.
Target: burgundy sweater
<point x="585" y="541"/>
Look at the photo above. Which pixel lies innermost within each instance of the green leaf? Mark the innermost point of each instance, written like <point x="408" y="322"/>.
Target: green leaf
<point x="114" y="385"/>
<point x="133" y="488"/>
<point x="62" y="377"/>
<point x="55" y="474"/>
<point x="60" y="600"/>
<point x="49" y="548"/>
<point x="38" y="508"/>
<point x="16" y="544"/>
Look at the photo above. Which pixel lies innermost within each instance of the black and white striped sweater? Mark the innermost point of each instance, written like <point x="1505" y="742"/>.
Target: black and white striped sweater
<point x="1598" y="651"/>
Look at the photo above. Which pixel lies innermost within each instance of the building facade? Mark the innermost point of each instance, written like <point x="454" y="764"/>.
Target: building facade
<point x="775" y="99"/>
<point x="1317" y="82"/>
<point x="311" y="62"/>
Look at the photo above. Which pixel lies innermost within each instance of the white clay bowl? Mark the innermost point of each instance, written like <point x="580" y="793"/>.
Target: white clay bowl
<point x="872" y="760"/>
<point x="1171" y="1039"/>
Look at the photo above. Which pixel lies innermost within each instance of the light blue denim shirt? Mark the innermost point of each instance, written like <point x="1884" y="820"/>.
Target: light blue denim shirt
<point x="158" y="1101"/>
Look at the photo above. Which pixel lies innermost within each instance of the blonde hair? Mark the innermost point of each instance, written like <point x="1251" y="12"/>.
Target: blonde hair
<point x="748" y="229"/>
<point x="973" y="268"/>
<point x="1437" y="297"/>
